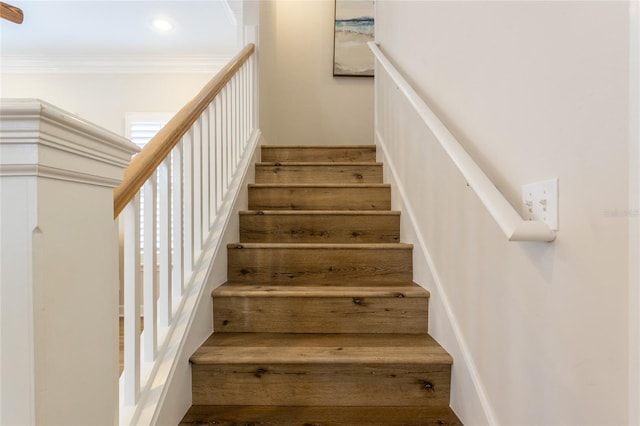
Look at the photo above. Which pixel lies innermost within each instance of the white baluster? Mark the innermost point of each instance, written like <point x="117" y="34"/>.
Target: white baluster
<point x="240" y="114"/>
<point x="234" y="123"/>
<point x="177" y="240"/>
<point x="225" y="141"/>
<point x="236" y="120"/>
<point x="229" y="140"/>
<point x="241" y="78"/>
<point x="243" y="90"/>
<point x="252" y="94"/>
<point x="245" y="110"/>
<point x="150" y="334"/>
<point x="219" y="153"/>
<point x="164" y="246"/>
<point x="188" y="204"/>
<point x="206" y="146"/>
<point x="221" y="139"/>
<point x="132" y="282"/>
<point x="197" y="188"/>
<point x="212" y="164"/>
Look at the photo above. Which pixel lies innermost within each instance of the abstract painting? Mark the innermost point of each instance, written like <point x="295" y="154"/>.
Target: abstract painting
<point x="354" y="27"/>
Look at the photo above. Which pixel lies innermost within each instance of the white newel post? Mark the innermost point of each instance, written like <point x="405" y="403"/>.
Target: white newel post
<point x="58" y="267"/>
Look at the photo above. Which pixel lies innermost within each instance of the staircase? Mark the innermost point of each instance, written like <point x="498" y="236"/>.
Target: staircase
<point x="320" y="322"/>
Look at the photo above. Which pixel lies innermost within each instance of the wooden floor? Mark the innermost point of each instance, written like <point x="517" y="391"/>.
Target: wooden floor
<point x="121" y="345"/>
<point x="206" y="415"/>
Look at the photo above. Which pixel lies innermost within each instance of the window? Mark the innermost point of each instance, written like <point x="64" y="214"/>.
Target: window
<point x="140" y="128"/>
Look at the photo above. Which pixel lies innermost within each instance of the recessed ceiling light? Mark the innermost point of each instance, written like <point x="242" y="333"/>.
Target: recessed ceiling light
<point x="162" y="24"/>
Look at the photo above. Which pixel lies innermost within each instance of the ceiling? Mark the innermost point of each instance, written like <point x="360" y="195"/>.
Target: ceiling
<point x="119" y="29"/>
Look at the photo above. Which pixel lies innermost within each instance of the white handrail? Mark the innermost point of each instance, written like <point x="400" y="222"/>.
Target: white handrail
<point x="507" y="218"/>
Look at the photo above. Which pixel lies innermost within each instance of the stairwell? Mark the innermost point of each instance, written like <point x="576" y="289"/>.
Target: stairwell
<point x="320" y="322"/>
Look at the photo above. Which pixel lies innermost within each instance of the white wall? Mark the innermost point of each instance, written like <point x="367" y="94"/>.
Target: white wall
<point x="634" y="225"/>
<point x="533" y="90"/>
<point x="105" y="98"/>
<point x="300" y="100"/>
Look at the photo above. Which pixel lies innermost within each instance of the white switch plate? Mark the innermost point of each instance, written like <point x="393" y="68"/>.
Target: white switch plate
<point x="540" y="202"/>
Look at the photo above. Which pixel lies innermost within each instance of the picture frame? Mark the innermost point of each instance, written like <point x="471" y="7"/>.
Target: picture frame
<point x="354" y="27"/>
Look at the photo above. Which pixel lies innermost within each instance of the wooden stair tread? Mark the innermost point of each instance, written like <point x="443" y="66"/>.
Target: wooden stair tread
<point x="320" y="322"/>
<point x="316" y="147"/>
<point x="310" y="172"/>
<point x="321" y="212"/>
<point x="334" y="349"/>
<point x="291" y="290"/>
<point x="318" y="153"/>
<point x="322" y="246"/>
<point x="320" y="185"/>
<point x="273" y="355"/>
<point x="309" y="263"/>
<point x="313" y="196"/>
<point x="319" y="416"/>
<point x="320" y="226"/>
<point x="297" y="308"/>
<point x="327" y="283"/>
<point x="317" y="163"/>
<point x="320" y="339"/>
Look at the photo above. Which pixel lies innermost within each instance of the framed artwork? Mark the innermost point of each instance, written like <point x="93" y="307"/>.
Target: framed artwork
<point x="353" y="28"/>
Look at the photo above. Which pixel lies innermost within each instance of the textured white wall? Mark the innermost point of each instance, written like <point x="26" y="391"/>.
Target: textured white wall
<point x="105" y="98"/>
<point x="533" y="90"/>
<point x="300" y="100"/>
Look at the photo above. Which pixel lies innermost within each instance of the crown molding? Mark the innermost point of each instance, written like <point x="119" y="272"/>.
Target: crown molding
<point x="112" y="64"/>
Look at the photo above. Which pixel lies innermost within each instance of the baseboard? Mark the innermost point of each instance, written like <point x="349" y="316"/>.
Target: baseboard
<point x="469" y="399"/>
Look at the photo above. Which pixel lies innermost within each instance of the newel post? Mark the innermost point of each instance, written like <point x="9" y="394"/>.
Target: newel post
<point x="58" y="266"/>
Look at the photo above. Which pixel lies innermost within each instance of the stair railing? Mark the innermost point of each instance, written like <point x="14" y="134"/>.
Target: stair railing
<point x="508" y="219"/>
<point x="11" y="13"/>
<point x="183" y="174"/>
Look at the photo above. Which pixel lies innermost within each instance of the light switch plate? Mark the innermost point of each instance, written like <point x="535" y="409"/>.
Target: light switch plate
<point x="540" y="202"/>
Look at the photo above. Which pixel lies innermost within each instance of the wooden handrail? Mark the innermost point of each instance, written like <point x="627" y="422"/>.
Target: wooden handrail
<point x="11" y="13"/>
<point x="158" y="148"/>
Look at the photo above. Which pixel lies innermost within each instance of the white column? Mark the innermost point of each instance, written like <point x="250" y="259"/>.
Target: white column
<point x="58" y="267"/>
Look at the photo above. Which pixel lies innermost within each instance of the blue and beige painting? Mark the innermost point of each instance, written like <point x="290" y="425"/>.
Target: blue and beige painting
<point x="354" y="27"/>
